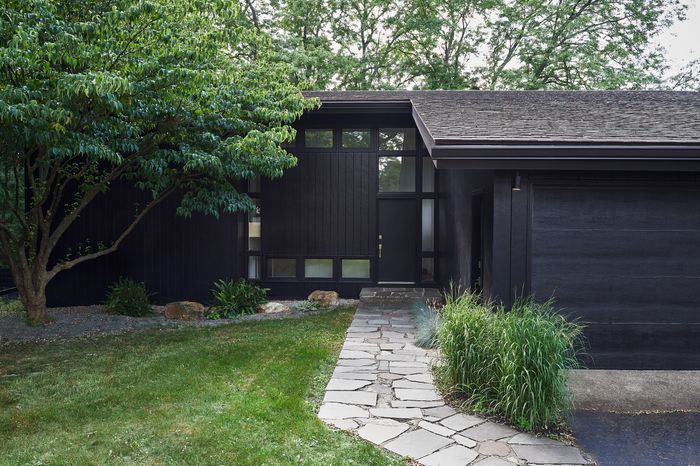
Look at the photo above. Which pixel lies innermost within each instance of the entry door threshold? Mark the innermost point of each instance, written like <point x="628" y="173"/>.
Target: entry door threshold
<point x="396" y="283"/>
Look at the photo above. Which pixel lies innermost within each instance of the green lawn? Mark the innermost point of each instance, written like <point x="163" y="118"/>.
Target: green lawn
<point x="237" y="394"/>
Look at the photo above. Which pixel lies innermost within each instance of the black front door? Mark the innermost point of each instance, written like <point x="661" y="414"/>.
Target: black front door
<point x="397" y="241"/>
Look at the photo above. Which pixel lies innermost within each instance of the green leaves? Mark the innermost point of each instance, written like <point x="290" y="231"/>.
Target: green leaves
<point x="470" y="44"/>
<point x="169" y="96"/>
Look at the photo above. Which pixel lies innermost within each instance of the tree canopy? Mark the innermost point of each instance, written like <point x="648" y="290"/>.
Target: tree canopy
<point x="473" y="44"/>
<point x="170" y="96"/>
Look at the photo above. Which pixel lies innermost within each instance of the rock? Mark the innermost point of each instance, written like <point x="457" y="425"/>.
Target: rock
<point x="272" y="308"/>
<point x="184" y="310"/>
<point x="327" y="298"/>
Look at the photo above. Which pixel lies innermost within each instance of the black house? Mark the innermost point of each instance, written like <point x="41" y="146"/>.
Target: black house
<point x="590" y="197"/>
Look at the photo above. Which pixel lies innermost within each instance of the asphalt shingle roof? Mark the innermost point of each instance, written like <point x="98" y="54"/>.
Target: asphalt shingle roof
<point x="593" y="117"/>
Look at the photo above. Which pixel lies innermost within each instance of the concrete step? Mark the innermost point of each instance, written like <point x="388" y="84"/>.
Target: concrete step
<point x="395" y="296"/>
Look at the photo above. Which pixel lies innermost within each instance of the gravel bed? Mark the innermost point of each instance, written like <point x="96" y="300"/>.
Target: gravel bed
<point x="87" y="321"/>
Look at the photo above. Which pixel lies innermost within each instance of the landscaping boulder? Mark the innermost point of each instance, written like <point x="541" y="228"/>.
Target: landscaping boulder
<point x="327" y="298"/>
<point x="184" y="310"/>
<point x="272" y="308"/>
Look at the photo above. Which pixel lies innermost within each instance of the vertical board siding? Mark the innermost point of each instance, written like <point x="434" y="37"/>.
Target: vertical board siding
<point x="322" y="207"/>
<point x="172" y="255"/>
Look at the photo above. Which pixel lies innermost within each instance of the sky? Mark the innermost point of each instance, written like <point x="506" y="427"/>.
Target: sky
<point x="682" y="40"/>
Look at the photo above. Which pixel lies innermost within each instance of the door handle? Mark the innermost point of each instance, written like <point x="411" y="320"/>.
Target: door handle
<point x="380" y="250"/>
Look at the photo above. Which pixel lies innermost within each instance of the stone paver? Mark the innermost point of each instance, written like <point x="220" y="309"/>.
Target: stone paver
<point x="383" y="390"/>
<point x="352" y="397"/>
<point x="549" y="454"/>
<point x="378" y="433"/>
<point x="418" y="443"/>
<point x="456" y="455"/>
<point x="461" y="421"/>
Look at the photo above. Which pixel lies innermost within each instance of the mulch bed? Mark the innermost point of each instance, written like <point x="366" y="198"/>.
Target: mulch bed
<point x="88" y="321"/>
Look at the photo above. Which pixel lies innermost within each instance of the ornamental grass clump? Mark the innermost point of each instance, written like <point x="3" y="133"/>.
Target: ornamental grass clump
<point x="428" y="321"/>
<point x="510" y="363"/>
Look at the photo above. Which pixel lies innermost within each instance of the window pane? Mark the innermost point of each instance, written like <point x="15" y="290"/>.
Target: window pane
<point x="428" y="229"/>
<point x="355" y="268"/>
<point x="397" y="174"/>
<point x="428" y="175"/>
<point x="254" y="267"/>
<point x="318" y="138"/>
<point x="254" y="228"/>
<point x="427" y="269"/>
<point x="282" y="268"/>
<point x="355" y="139"/>
<point x="318" y="268"/>
<point x="397" y="139"/>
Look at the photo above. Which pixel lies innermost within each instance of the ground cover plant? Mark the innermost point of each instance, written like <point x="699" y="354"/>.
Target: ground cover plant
<point x="309" y="306"/>
<point x="243" y="394"/>
<point x="234" y="298"/>
<point x="10" y="306"/>
<point x="129" y="298"/>
<point x="510" y="363"/>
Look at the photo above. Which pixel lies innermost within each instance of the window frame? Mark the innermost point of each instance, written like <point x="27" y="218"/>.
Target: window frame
<point x="372" y="140"/>
<point x="414" y="151"/>
<point x="369" y="259"/>
<point x="269" y="257"/>
<point x="334" y="139"/>
<point x="327" y="279"/>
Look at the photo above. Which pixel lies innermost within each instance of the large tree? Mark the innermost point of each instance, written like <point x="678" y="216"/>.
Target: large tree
<point x="168" y="96"/>
<point x="479" y="44"/>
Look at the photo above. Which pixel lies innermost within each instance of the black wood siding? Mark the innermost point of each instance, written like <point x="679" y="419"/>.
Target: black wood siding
<point x="176" y="258"/>
<point x="325" y="206"/>
<point x="623" y="255"/>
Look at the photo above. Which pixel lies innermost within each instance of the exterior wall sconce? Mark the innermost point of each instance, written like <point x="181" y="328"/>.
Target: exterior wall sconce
<point x="515" y="185"/>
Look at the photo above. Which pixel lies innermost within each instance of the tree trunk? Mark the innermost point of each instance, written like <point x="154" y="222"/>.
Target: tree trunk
<point x="36" y="309"/>
<point x="33" y="298"/>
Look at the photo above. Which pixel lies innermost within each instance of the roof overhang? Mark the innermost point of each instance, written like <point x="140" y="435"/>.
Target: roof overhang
<point x="569" y="156"/>
<point x="531" y="155"/>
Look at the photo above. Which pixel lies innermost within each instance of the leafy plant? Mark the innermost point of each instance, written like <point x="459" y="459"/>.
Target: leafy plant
<point x="428" y="323"/>
<point x="309" y="306"/>
<point x="10" y="306"/>
<point x="511" y="363"/>
<point x="129" y="298"/>
<point x="170" y="98"/>
<point x="236" y="298"/>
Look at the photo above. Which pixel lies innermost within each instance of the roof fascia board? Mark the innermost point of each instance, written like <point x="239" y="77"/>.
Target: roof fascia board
<point x="567" y="151"/>
<point x="372" y="106"/>
<point x="585" y="164"/>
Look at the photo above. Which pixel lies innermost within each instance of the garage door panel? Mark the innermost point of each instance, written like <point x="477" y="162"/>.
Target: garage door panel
<point x="626" y="260"/>
<point x="645" y="346"/>
<point x="593" y="252"/>
<point x="621" y="299"/>
<point x="617" y="208"/>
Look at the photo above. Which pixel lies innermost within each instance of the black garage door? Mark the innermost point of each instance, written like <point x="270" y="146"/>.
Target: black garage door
<point x="626" y="260"/>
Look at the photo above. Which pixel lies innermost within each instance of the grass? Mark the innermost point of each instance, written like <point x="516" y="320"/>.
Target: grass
<point x="242" y="394"/>
<point x="511" y="364"/>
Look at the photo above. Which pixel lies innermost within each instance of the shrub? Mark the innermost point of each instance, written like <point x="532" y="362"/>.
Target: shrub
<point x="129" y="298"/>
<point x="512" y="363"/>
<point x="309" y="306"/>
<point x="428" y="322"/>
<point x="9" y="306"/>
<point x="236" y="298"/>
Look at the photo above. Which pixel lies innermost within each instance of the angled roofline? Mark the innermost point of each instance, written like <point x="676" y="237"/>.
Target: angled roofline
<point x="515" y="155"/>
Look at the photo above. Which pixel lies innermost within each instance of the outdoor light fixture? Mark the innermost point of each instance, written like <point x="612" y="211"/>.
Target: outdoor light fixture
<point x="515" y="186"/>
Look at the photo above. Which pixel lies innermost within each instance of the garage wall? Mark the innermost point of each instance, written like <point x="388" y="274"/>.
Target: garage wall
<point x="621" y="253"/>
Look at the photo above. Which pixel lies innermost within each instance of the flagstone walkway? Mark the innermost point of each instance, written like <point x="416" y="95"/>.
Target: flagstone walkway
<point x="382" y="390"/>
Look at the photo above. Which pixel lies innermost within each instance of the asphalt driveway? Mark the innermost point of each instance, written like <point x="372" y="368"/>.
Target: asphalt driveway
<point x="639" y="439"/>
